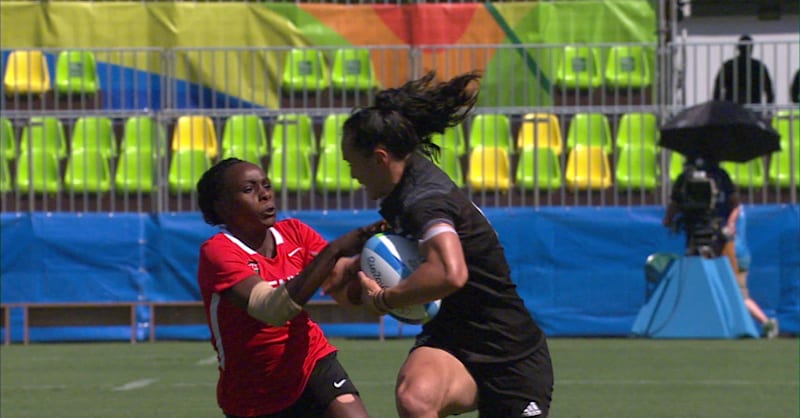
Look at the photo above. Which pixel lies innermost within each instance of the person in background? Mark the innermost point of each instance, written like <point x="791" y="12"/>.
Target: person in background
<point x="744" y="79"/>
<point x="737" y="227"/>
<point x="483" y="349"/>
<point x="255" y="276"/>
<point x="794" y="90"/>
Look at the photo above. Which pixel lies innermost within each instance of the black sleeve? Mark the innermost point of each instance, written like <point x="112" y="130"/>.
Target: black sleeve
<point x="433" y="209"/>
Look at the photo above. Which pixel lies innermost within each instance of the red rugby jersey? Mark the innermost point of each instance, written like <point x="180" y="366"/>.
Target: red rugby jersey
<point x="263" y="369"/>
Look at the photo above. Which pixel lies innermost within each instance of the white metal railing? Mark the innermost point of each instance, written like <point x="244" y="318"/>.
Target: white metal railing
<point x="520" y="81"/>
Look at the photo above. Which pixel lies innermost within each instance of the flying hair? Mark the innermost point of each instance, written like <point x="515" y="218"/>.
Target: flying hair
<point x="403" y="119"/>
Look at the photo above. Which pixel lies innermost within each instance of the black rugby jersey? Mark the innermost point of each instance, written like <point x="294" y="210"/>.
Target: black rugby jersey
<point x="486" y="320"/>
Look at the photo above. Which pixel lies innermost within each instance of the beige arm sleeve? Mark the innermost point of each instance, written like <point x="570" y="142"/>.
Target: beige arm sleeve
<point x="272" y="305"/>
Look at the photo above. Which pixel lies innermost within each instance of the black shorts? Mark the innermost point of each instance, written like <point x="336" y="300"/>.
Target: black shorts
<point x="519" y="388"/>
<point x="328" y="380"/>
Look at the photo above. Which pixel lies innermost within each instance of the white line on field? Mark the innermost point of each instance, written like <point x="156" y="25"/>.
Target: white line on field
<point x="136" y="384"/>
<point x="678" y="382"/>
<point x="207" y="361"/>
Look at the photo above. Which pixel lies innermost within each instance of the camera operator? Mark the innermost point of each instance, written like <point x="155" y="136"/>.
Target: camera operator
<point x="702" y="200"/>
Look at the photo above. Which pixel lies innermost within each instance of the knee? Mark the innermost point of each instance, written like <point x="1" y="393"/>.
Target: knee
<point x="415" y="399"/>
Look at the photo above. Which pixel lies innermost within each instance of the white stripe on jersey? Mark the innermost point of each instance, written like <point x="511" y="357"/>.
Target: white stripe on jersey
<point x="215" y="299"/>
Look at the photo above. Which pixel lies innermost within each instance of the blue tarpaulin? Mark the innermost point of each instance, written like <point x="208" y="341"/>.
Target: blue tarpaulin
<point x="579" y="270"/>
<point x="697" y="298"/>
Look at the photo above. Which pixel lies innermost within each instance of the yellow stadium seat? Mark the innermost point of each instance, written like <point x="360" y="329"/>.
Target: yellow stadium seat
<point x="489" y="169"/>
<point x="588" y="168"/>
<point x="27" y="72"/>
<point x="196" y="132"/>
<point x="540" y="130"/>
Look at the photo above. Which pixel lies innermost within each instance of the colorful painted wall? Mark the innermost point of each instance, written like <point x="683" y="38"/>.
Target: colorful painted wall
<point x="456" y="29"/>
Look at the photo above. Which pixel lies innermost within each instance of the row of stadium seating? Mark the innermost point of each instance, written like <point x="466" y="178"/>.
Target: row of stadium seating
<point x="247" y="133"/>
<point x="538" y="157"/>
<point x="488" y="169"/>
<point x="27" y="71"/>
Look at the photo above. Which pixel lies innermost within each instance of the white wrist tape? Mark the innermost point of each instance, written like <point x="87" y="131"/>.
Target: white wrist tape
<point x="272" y="305"/>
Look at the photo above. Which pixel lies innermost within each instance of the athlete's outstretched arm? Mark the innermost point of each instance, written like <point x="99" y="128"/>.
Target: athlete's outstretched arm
<point x="277" y="305"/>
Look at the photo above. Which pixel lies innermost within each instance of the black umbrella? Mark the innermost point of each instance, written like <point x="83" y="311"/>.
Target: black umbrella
<point x="721" y="131"/>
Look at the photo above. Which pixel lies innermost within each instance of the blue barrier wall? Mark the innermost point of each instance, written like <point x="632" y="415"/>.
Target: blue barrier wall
<point x="579" y="270"/>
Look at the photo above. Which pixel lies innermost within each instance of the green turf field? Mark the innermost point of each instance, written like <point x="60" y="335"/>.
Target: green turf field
<point x="594" y="378"/>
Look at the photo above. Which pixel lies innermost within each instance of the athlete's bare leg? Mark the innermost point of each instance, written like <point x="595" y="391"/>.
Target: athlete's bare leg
<point x="432" y="384"/>
<point x="346" y="406"/>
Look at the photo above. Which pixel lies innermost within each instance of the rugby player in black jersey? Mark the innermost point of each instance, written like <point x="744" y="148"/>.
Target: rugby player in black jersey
<point x="482" y="351"/>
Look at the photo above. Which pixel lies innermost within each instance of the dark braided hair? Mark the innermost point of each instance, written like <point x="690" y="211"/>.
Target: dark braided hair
<point x="210" y="187"/>
<point x="403" y="119"/>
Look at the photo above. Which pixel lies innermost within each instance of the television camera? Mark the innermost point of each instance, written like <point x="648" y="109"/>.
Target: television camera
<point x="696" y="199"/>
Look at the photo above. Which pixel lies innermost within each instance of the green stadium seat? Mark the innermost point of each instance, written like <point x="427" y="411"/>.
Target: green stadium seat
<point x="5" y="176"/>
<point x="135" y="171"/>
<point x="95" y="133"/>
<point x="538" y="168"/>
<point x="540" y="130"/>
<point x="76" y="72"/>
<point x="185" y="169"/>
<point x="783" y="168"/>
<point x="246" y="134"/>
<point x="332" y="130"/>
<point x="491" y="130"/>
<point x="628" y="66"/>
<point x="489" y="169"/>
<point x="676" y="163"/>
<point x="26" y="73"/>
<point x="294" y="131"/>
<point x="196" y="132"/>
<point x="579" y="67"/>
<point x="333" y="172"/>
<point x="353" y="70"/>
<point x="44" y="133"/>
<point x="38" y="171"/>
<point x="587" y="168"/>
<point x="637" y="168"/>
<point x="248" y="154"/>
<point x="637" y="130"/>
<point x="452" y="139"/>
<point x="8" y="144"/>
<point x="590" y="129"/>
<point x="143" y="133"/>
<point x="450" y="162"/>
<point x="87" y="171"/>
<point x="787" y="123"/>
<point x="290" y="169"/>
<point x="305" y="69"/>
<point x="747" y="174"/>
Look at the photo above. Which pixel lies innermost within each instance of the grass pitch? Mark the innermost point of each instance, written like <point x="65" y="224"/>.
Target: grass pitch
<point x="635" y="378"/>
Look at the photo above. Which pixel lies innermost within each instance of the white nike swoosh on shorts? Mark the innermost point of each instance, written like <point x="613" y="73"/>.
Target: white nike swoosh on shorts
<point x="339" y="383"/>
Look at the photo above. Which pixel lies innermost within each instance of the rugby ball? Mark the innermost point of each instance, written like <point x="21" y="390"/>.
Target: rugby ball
<point x="389" y="259"/>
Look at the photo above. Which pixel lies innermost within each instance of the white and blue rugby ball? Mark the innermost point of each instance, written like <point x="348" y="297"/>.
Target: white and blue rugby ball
<point x="390" y="258"/>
